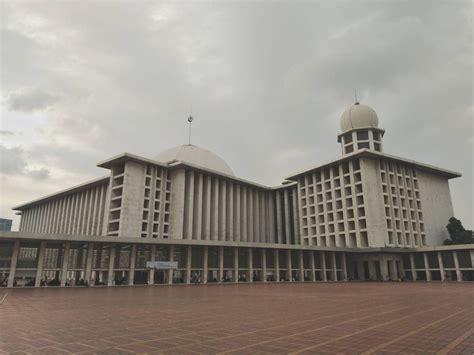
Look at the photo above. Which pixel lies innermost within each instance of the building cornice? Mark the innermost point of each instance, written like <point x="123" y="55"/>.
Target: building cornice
<point x="216" y="243"/>
<point x="377" y="155"/>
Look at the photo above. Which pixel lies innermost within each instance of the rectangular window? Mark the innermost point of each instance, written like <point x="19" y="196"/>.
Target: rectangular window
<point x="362" y="135"/>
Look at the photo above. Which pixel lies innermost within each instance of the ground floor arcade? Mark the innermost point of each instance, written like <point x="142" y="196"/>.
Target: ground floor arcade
<point x="38" y="263"/>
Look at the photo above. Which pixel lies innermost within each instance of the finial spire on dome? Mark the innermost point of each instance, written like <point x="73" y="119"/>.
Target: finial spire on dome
<point x="356" y="102"/>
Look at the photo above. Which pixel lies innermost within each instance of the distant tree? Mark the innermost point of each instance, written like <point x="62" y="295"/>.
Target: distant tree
<point x="457" y="233"/>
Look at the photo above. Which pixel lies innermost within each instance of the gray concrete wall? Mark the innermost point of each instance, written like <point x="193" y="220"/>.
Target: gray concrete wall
<point x="373" y="202"/>
<point x="436" y="206"/>
<point x="80" y="212"/>
<point x="132" y="200"/>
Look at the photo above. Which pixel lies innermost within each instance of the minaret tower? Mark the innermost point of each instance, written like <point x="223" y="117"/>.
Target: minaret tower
<point x="359" y="129"/>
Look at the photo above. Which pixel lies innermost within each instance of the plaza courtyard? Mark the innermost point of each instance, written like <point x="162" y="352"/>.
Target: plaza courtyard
<point x="311" y="318"/>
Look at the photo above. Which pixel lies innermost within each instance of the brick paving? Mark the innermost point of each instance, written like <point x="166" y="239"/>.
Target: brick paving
<point x="369" y="318"/>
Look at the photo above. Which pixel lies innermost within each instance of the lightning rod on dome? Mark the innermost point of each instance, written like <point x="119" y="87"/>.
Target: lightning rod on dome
<point x="355" y="97"/>
<point x="190" y="120"/>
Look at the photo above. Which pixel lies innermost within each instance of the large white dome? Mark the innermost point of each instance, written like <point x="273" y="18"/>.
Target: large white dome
<point x="359" y="116"/>
<point x="197" y="156"/>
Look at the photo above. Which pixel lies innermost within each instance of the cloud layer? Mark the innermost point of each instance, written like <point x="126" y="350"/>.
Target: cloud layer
<point x="267" y="82"/>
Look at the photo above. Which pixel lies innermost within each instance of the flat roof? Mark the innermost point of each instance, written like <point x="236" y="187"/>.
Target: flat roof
<point x="377" y="155"/>
<point x="108" y="163"/>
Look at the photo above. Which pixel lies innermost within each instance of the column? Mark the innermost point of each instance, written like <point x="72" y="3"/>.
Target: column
<point x="344" y="266"/>
<point x="90" y="252"/>
<point x="372" y="270"/>
<point x="221" y="263"/>
<point x="110" y="274"/>
<point x="188" y="263"/>
<point x="334" y="266"/>
<point x="207" y="211"/>
<point x="427" y="267"/>
<point x="198" y="220"/>
<point x="441" y="266"/>
<point x="401" y="270"/>
<point x="393" y="272"/>
<point x="360" y="269"/>
<point x="236" y="264"/>
<point x="412" y="265"/>
<point x="301" y="264"/>
<point x="323" y="266"/>
<point x="250" y="264"/>
<point x="264" y="265"/>
<point x="39" y="269"/>
<point x="16" y="251"/>
<point x="133" y="256"/>
<point x="383" y="268"/>
<point x="205" y="260"/>
<point x="189" y="204"/>
<point x="66" y="247"/>
<point x="277" y="265"/>
<point x="456" y="265"/>
<point x="170" y="272"/>
<point x="313" y="266"/>
<point x="151" y="272"/>
<point x="289" y="270"/>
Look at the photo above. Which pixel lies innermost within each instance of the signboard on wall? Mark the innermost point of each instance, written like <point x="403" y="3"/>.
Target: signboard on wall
<point x="162" y="265"/>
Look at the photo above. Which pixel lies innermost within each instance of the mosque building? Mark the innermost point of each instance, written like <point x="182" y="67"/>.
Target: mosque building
<point x="184" y="214"/>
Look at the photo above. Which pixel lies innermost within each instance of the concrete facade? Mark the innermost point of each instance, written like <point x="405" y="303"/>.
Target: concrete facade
<point x="325" y="223"/>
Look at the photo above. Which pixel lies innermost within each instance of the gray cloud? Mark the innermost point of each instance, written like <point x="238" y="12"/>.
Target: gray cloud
<point x="39" y="174"/>
<point x="267" y="81"/>
<point x="12" y="161"/>
<point x="29" y="100"/>
<point x="5" y="132"/>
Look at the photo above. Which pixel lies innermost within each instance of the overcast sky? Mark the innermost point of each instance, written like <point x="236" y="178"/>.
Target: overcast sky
<point x="268" y="81"/>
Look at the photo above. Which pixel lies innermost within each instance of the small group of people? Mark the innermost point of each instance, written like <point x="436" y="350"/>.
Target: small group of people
<point x="196" y="279"/>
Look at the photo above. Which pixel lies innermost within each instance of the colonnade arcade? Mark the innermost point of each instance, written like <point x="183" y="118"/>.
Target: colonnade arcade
<point x="35" y="263"/>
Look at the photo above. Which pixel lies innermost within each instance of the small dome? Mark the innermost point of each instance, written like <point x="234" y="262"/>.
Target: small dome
<point x="196" y="156"/>
<point x="359" y="116"/>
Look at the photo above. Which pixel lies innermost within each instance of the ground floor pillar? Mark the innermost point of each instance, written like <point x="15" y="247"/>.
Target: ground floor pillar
<point x="277" y="265"/>
<point x="90" y="252"/>
<point x="360" y="269"/>
<point x="412" y="266"/>
<point x="323" y="266"/>
<point x="111" y="276"/>
<point x="221" y="263"/>
<point x="188" y="264"/>
<point x="66" y="246"/>
<point x="441" y="266"/>
<point x="384" y="269"/>
<point x="264" y="265"/>
<point x="14" y="260"/>
<point x="334" y="266"/>
<point x="39" y="269"/>
<point x="301" y="265"/>
<point x="372" y="270"/>
<point x="344" y="266"/>
<point x="151" y="272"/>
<point x="289" y="270"/>
<point x="236" y="264"/>
<point x="456" y="265"/>
<point x="205" y="262"/>
<point x="393" y="272"/>
<point x="133" y="258"/>
<point x="250" y="265"/>
<point x="427" y="267"/>
<point x="171" y="258"/>
<point x="313" y="266"/>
